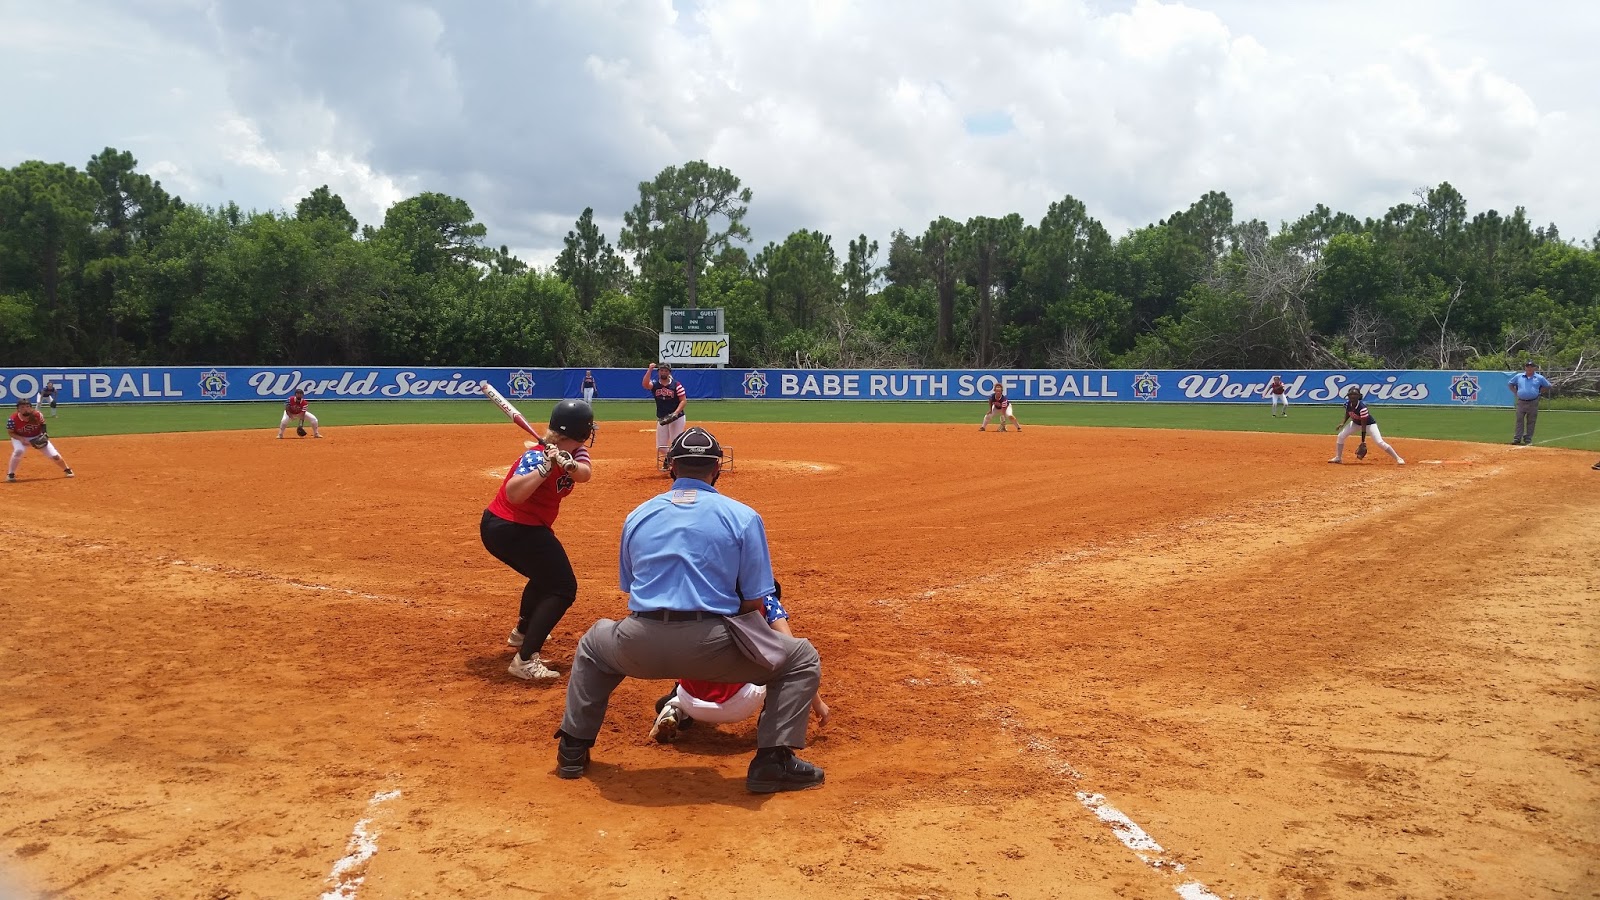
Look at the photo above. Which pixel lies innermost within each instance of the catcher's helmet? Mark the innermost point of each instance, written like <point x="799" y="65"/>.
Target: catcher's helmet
<point x="696" y="443"/>
<point x="573" y="419"/>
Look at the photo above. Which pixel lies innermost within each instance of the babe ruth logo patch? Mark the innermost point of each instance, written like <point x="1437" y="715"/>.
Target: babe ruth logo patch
<point x="686" y="497"/>
<point x="755" y="384"/>
<point x="1146" y="386"/>
<point x="1464" y="388"/>
<point x="214" y="384"/>
<point x="520" y="384"/>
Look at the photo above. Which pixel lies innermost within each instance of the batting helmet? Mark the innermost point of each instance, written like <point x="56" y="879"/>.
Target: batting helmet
<point x="696" y="443"/>
<point x="573" y="419"/>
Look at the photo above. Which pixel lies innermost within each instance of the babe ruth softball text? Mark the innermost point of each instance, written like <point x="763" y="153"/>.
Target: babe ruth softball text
<point x="923" y="386"/>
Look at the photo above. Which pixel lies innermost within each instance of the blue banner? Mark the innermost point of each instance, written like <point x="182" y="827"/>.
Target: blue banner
<point x="179" y="384"/>
<point x="1406" y="388"/>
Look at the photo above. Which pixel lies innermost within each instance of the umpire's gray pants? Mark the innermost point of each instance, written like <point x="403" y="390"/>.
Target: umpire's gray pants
<point x="1527" y="411"/>
<point x="700" y="650"/>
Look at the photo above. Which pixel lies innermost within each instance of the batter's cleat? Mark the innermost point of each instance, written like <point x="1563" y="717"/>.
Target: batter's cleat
<point x="515" y="637"/>
<point x="665" y="729"/>
<point x="778" y="769"/>
<point x="531" y="669"/>
<point x="68" y="473"/>
<point x="572" y="759"/>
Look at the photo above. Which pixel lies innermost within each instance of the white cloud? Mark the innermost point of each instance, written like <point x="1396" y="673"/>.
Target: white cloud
<point x="846" y="117"/>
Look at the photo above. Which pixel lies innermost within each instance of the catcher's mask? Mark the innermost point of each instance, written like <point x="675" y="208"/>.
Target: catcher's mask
<point x="574" y="419"/>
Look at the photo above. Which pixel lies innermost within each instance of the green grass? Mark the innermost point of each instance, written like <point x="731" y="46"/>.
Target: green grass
<point x="1575" y="429"/>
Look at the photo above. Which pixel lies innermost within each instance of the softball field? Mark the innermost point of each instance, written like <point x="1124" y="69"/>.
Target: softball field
<point x="1070" y="662"/>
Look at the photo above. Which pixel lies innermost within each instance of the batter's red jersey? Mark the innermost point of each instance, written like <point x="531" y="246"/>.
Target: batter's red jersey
<point x="32" y="426"/>
<point x="294" y="406"/>
<point x="542" y="507"/>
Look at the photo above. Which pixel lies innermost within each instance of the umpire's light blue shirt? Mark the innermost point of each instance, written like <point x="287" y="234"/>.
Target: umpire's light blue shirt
<point x="692" y="549"/>
<point x="1527" y="386"/>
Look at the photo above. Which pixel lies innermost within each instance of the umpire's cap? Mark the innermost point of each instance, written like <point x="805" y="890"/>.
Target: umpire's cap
<point x="573" y="419"/>
<point x="696" y="443"/>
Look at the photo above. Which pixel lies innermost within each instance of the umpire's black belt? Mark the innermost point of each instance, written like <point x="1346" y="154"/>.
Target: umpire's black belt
<point x="673" y="615"/>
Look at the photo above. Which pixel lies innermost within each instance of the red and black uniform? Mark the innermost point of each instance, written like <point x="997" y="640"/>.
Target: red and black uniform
<point x="668" y="396"/>
<point x="25" y="427"/>
<point x="1276" y="387"/>
<point x="295" y="407"/>
<point x="520" y="535"/>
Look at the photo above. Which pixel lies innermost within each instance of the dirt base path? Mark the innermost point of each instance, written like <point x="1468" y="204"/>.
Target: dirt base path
<point x="1064" y="663"/>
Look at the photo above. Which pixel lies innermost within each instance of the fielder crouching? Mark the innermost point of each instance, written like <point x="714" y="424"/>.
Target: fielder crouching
<point x="684" y="555"/>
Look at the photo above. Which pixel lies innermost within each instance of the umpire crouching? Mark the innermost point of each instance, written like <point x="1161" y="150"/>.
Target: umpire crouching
<point x="686" y="554"/>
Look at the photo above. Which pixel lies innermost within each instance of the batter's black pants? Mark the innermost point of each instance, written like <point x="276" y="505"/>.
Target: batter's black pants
<point x="537" y="555"/>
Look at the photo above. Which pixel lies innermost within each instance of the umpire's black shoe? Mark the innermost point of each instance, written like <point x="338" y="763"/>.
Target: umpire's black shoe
<point x="572" y="759"/>
<point x="778" y="769"/>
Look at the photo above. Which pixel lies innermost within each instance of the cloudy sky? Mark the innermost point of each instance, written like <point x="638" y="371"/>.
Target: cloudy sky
<point x="847" y="117"/>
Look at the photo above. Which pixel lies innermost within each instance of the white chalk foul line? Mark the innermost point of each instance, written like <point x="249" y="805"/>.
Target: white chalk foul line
<point x="1125" y="829"/>
<point x="350" y="871"/>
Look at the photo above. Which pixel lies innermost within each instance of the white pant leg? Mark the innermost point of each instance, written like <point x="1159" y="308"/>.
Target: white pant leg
<point x="312" y="421"/>
<point x="666" y="434"/>
<point x="19" y="449"/>
<point x="283" y="423"/>
<point x="588" y="395"/>
<point x="737" y="708"/>
<point x="1377" y="438"/>
<point x="1338" y="443"/>
<point x="1279" y="399"/>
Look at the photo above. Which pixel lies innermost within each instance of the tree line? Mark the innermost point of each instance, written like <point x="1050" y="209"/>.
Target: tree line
<point x="102" y="266"/>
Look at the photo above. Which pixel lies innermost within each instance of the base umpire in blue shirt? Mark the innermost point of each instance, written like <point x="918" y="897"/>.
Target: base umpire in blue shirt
<point x="1527" y="387"/>
<point x="688" y="558"/>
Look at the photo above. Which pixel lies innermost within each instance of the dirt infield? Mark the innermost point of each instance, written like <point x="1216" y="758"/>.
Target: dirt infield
<point x="1063" y="663"/>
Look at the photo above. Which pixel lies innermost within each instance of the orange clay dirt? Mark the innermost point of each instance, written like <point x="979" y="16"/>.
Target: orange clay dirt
<point x="1063" y="663"/>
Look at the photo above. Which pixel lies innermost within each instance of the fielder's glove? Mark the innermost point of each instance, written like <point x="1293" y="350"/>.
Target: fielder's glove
<point x="300" y="430"/>
<point x="39" y="440"/>
<point x="670" y="418"/>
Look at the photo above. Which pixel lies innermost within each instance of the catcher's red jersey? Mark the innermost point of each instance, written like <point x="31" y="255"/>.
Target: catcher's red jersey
<point x="711" y="691"/>
<point x="294" y="406"/>
<point x="32" y="426"/>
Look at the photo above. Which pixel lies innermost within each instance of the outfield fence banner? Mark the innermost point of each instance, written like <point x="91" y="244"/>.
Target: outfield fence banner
<point x="1392" y="387"/>
<point x="178" y="384"/>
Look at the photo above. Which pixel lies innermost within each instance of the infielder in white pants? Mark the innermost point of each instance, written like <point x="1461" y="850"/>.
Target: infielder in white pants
<point x="26" y="429"/>
<point x="1278" y="393"/>
<point x="1357" y="417"/>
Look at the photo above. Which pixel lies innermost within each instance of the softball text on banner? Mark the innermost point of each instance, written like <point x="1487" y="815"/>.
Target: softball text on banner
<point x="227" y="383"/>
<point x="1414" y="388"/>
